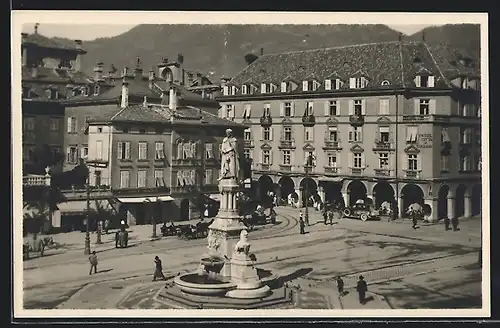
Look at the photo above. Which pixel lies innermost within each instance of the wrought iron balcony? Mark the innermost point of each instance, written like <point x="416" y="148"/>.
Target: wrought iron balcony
<point x="308" y="120"/>
<point x="331" y="170"/>
<point x="412" y="174"/>
<point x="357" y="120"/>
<point x="332" y="144"/>
<point x="356" y="171"/>
<point x="383" y="145"/>
<point x="411" y="118"/>
<point x="287" y="143"/>
<point x="266" y="120"/>
<point x="382" y="172"/>
<point x="36" y="180"/>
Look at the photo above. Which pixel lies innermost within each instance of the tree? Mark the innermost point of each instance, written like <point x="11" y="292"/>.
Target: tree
<point x="250" y="58"/>
<point x="42" y="202"/>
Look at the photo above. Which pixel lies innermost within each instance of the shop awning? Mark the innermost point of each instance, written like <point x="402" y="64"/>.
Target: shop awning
<point x="130" y="200"/>
<point x="80" y="206"/>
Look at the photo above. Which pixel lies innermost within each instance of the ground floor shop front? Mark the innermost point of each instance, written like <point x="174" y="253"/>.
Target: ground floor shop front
<point x="451" y="199"/>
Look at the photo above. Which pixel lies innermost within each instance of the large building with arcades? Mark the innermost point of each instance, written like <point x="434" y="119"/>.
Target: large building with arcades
<point x="395" y="121"/>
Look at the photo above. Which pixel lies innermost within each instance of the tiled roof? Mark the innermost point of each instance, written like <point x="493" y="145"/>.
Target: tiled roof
<point x="162" y="114"/>
<point x="44" y="42"/>
<point x="396" y="62"/>
<point x="51" y="75"/>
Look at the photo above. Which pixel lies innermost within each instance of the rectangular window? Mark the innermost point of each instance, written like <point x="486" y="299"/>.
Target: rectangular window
<point x="466" y="136"/>
<point x="209" y="177"/>
<point x="328" y="84"/>
<point x="465" y="163"/>
<point x="124" y="150"/>
<point x="159" y="150"/>
<point x="358" y="107"/>
<point x="124" y="179"/>
<point x="309" y="158"/>
<point x="332" y="160"/>
<point x="355" y="134"/>
<point x="143" y="150"/>
<point x="332" y="134"/>
<point x="332" y="107"/>
<point x="98" y="146"/>
<point x="141" y="179"/>
<point x="444" y="163"/>
<point x="424" y="108"/>
<point x="72" y="155"/>
<point x="424" y="82"/>
<point x="383" y="160"/>
<point x="384" y="134"/>
<point x="287" y="157"/>
<point x="267" y="133"/>
<point x="360" y="83"/>
<point x="54" y="124"/>
<point x="247" y="109"/>
<point x="244" y="90"/>
<point x="411" y="134"/>
<point x="246" y="152"/>
<point x="288" y="109"/>
<point x="266" y="157"/>
<point x="309" y="133"/>
<point x="158" y="175"/>
<point x="310" y="107"/>
<point x="384" y="106"/>
<point x="412" y="162"/>
<point x="71" y="124"/>
<point x="267" y="109"/>
<point x="287" y="133"/>
<point x="444" y="135"/>
<point x="186" y="150"/>
<point x="209" y="150"/>
<point x="247" y="135"/>
<point x="358" y="160"/>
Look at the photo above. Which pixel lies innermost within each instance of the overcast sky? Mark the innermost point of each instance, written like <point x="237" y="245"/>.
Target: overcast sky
<point x="90" y="32"/>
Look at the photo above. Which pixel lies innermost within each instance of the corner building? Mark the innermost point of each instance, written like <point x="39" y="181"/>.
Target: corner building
<point x="394" y="121"/>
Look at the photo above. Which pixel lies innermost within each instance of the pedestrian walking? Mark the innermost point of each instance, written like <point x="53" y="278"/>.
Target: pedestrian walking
<point x="302" y="226"/>
<point x="361" y="288"/>
<point x="106" y="226"/>
<point x="414" y="220"/>
<point x="330" y="216"/>
<point x="340" y="286"/>
<point x="454" y="224"/>
<point x="446" y="224"/>
<point x="93" y="262"/>
<point x="325" y="216"/>
<point x="158" y="270"/>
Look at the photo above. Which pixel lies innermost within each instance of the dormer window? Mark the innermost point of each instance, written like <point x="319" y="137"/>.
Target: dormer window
<point x="424" y="81"/>
<point x="233" y="90"/>
<point x="333" y="84"/>
<point x="385" y="83"/>
<point x="86" y="91"/>
<point x="310" y="85"/>
<point x="96" y="90"/>
<point x="287" y="86"/>
<point x="267" y="88"/>
<point x="51" y="94"/>
<point x="358" y="82"/>
<point x="244" y="90"/>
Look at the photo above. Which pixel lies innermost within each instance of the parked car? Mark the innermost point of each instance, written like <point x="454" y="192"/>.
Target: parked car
<point x="362" y="211"/>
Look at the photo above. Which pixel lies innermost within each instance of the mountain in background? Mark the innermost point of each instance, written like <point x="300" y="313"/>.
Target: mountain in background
<point x="203" y="46"/>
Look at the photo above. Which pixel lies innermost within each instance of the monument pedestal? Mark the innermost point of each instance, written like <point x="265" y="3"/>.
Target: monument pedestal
<point x="246" y="278"/>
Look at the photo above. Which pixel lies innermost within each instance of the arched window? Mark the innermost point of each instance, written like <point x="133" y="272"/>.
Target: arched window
<point x="385" y="82"/>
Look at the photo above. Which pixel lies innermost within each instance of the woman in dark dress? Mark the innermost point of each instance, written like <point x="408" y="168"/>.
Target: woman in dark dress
<point x="158" y="270"/>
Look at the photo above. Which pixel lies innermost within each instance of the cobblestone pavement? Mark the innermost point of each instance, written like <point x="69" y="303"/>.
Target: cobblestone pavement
<point x="385" y="255"/>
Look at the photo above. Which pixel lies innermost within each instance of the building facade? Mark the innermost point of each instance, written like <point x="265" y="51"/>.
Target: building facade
<point x="51" y="72"/>
<point x="155" y="157"/>
<point x="396" y="121"/>
<point x="154" y="86"/>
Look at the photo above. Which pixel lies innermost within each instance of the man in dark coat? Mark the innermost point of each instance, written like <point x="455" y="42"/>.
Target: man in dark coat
<point x="302" y="225"/>
<point x="446" y="224"/>
<point x="340" y="285"/>
<point x="454" y="224"/>
<point x="158" y="270"/>
<point x="361" y="288"/>
<point x="325" y="216"/>
<point x="93" y="262"/>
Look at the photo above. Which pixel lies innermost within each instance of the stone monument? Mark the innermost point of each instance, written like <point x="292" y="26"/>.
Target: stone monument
<point x="227" y="226"/>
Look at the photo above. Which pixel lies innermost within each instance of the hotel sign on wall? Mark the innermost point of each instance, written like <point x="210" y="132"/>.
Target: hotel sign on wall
<point x="424" y="140"/>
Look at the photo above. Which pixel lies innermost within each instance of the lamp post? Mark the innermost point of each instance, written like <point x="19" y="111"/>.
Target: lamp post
<point x="87" y="233"/>
<point x="307" y="166"/>
<point x="308" y="121"/>
<point x="153" y="221"/>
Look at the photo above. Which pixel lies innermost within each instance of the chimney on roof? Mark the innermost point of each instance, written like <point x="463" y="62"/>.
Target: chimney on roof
<point x="151" y="78"/>
<point x="98" y="71"/>
<point x="124" y="100"/>
<point x="190" y="78"/>
<point x="138" y="69"/>
<point x="36" y="28"/>
<point x="77" y="65"/>
<point x="180" y="59"/>
<point x="261" y="51"/>
<point x="172" y="99"/>
<point x="78" y="44"/>
<point x="111" y="72"/>
<point x="199" y="77"/>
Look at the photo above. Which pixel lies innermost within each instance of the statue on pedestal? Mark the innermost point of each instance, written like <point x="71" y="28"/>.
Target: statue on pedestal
<point x="242" y="246"/>
<point x="230" y="164"/>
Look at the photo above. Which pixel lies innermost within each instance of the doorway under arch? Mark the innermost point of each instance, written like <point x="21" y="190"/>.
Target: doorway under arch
<point x="411" y="193"/>
<point x="460" y="200"/>
<point x="383" y="192"/>
<point x="184" y="210"/>
<point x="476" y="200"/>
<point x="356" y="190"/>
<point x="333" y="192"/>
<point x="309" y="189"/>
<point x="286" y="186"/>
<point x="266" y="185"/>
<point x="443" y="202"/>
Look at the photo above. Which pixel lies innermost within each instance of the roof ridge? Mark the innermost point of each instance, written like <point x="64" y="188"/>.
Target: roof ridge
<point x="118" y="113"/>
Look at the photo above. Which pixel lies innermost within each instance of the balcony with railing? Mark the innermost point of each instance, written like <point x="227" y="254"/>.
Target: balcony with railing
<point x="383" y="145"/>
<point x="266" y="120"/>
<point x="36" y="180"/>
<point x="412" y="174"/>
<point x="417" y="118"/>
<point x="287" y="143"/>
<point x="99" y="187"/>
<point x="332" y="145"/>
<point x="382" y="172"/>
<point x="357" y="120"/>
<point x="356" y="171"/>
<point x="248" y="143"/>
<point x="331" y="170"/>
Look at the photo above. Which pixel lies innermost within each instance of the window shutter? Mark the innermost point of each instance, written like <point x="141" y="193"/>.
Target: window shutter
<point x="327" y="108"/>
<point x="292" y="159"/>
<point x="391" y="136"/>
<point x="417" y="81"/>
<point x="261" y="156"/>
<point x="304" y="85"/>
<point x="431" y="81"/>
<point x="249" y="111"/>
<point x="69" y="124"/>
<point x="360" y="131"/>
<point x="127" y="150"/>
<point x="352" y="83"/>
<point x="351" y="107"/>
<point x="377" y="135"/>
<point x="120" y="150"/>
<point x="432" y="106"/>
<point x="416" y="104"/>
<point x="193" y="150"/>
<point x="271" y="133"/>
<point x="419" y="164"/>
<point x="283" y="86"/>
<point x="328" y="84"/>
<point x="263" y="88"/>
<point x="292" y="109"/>
<point x="226" y="90"/>
<point x="282" y="109"/>
<point x="363" y="107"/>
<point x="232" y="112"/>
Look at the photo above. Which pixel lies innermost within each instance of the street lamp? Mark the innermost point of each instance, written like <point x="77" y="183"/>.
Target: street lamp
<point x="86" y="250"/>
<point x="309" y="164"/>
<point x="308" y="121"/>
<point x="153" y="221"/>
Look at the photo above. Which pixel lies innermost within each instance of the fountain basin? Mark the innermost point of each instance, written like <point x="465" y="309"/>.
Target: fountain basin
<point x="202" y="285"/>
<point x="213" y="264"/>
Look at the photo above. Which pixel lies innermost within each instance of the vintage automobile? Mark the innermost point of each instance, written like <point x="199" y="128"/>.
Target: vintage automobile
<point x="361" y="210"/>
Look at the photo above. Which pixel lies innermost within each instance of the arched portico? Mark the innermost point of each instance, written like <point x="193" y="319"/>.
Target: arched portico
<point x="184" y="210"/>
<point x="356" y="190"/>
<point x="461" y="201"/>
<point x="443" y="194"/>
<point x="286" y="186"/>
<point x="265" y="185"/>
<point x="476" y="199"/>
<point x="333" y="192"/>
<point x="309" y="188"/>
<point x="411" y="193"/>
<point x="383" y="192"/>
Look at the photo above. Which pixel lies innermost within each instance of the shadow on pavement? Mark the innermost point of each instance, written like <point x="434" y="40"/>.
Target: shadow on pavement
<point x="292" y="276"/>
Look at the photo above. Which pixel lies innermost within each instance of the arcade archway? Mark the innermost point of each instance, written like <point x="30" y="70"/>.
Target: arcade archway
<point x="460" y="200"/>
<point x="286" y="186"/>
<point x="265" y="186"/>
<point x="184" y="210"/>
<point x="356" y="190"/>
<point x="443" y="202"/>
<point x="333" y="192"/>
<point x="411" y="194"/>
<point x="476" y="200"/>
<point x="309" y="189"/>
<point x="383" y="192"/>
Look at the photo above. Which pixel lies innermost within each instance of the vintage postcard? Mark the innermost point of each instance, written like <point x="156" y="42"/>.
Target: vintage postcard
<point x="278" y="164"/>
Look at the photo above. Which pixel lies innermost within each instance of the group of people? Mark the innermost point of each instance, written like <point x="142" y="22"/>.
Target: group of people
<point x="361" y="288"/>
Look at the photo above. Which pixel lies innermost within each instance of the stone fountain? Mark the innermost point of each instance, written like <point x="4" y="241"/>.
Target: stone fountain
<point x="227" y="276"/>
